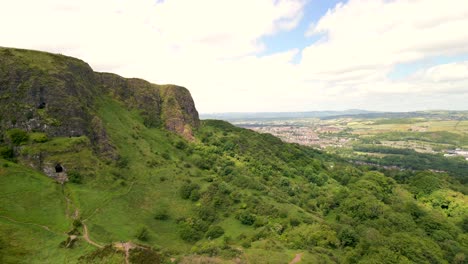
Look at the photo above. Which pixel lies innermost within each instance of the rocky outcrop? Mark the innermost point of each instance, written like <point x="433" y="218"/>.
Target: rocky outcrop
<point x="135" y="94"/>
<point x="45" y="92"/>
<point x="178" y="110"/>
<point x="170" y="106"/>
<point x="57" y="95"/>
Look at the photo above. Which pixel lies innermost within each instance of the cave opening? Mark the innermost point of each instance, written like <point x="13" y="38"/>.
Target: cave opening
<point x="42" y="105"/>
<point x="58" y="168"/>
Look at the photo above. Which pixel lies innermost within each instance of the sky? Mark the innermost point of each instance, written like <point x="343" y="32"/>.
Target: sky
<point x="264" y="55"/>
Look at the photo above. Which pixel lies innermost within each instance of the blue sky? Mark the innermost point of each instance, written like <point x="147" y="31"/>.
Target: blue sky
<point x="401" y="71"/>
<point x="256" y="56"/>
<point x="313" y="11"/>
<point x="296" y="38"/>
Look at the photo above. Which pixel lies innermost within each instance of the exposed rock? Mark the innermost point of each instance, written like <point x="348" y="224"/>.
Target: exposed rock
<point x="45" y="92"/>
<point x="56" y="172"/>
<point x="101" y="141"/>
<point x="136" y="94"/>
<point x="168" y="105"/>
<point x="178" y="110"/>
<point x="57" y="95"/>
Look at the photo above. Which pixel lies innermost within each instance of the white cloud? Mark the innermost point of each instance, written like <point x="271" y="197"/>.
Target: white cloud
<point x="212" y="47"/>
<point x="451" y="72"/>
<point x="379" y="34"/>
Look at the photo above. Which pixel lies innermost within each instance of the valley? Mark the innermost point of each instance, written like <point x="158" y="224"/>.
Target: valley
<point x="363" y="137"/>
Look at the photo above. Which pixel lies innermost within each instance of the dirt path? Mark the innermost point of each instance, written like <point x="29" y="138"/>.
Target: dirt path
<point x="296" y="259"/>
<point x="76" y="215"/>
<point x="86" y="237"/>
<point x="126" y="248"/>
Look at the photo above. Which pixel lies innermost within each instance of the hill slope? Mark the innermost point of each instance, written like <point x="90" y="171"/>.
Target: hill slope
<point x="96" y="168"/>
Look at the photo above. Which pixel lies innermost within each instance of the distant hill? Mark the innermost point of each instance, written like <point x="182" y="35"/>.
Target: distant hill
<point x="280" y="115"/>
<point x="434" y="114"/>
<point x="355" y="113"/>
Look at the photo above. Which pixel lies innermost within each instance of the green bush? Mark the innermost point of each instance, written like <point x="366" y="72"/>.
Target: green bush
<point x="161" y="214"/>
<point x="77" y="223"/>
<point x="194" y="195"/>
<point x="75" y="177"/>
<point x="206" y="213"/>
<point x="189" y="234"/>
<point x="39" y="137"/>
<point x="294" y="221"/>
<point x="348" y="237"/>
<point x="144" y="256"/>
<point x="18" y="136"/>
<point x="6" y="152"/>
<point x="214" y="232"/>
<point x="166" y="156"/>
<point x="186" y="190"/>
<point x="122" y="162"/>
<point x="142" y="234"/>
<point x="181" y="144"/>
<point x="246" y="218"/>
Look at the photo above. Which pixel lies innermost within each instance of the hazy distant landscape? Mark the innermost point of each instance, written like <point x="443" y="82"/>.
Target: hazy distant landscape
<point x="374" y="138"/>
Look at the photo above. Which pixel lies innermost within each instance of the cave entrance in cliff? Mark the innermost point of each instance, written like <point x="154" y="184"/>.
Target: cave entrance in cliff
<point x="42" y="105"/>
<point x="58" y="168"/>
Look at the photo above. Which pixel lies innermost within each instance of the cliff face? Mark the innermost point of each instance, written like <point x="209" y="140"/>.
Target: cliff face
<point x="168" y="105"/>
<point x="57" y="95"/>
<point x="45" y="92"/>
<point x="178" y="110"/>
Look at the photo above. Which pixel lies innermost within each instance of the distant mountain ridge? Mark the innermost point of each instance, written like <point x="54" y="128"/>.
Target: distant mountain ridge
<point x="356" y="113"/>
<point x="230" y="116"/>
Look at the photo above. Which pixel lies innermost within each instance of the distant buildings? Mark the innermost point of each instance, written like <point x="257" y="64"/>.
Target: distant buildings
<point x="457" y="152"/>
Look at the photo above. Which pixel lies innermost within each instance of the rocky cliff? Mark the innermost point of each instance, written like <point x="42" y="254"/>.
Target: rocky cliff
<point x="59" y="95"/>
<point x="169" y="105"/>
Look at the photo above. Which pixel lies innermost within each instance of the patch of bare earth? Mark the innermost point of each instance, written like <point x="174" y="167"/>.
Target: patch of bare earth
<point x="296" y="259"/>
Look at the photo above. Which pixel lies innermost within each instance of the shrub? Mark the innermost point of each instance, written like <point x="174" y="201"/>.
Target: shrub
<point x="214" y="232"/>
<point x="181" y="144"/>
<point x="77" y="223"/>
<point x="246" y="218"/>
<point x="294" y="221"/>
<point x="142" y="234"/>
<point x="189" y="234"/>
<point x="39" y="137"/>
<point x="161" y="214"/>
<point x="186" y="190"/>
<point x="75" y="177"/>
<point x="206" y="213"/>
<point x="144" y="256"/>
<point x="6" y="152"/>
<point x="122" y="162"/>
<point x="18" y="136"/>
<point x="194" y="195"/>
<point x="166" y="156"/>
<point x="348" y="237"/>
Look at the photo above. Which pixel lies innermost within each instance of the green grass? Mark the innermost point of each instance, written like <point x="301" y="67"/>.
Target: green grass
<point x="26" y="197"/>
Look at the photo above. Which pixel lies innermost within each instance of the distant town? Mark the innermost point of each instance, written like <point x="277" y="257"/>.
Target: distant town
<point x="344" y="133"/>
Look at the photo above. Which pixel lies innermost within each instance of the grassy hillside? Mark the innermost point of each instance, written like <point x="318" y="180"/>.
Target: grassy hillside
<point x="224" y="195"/>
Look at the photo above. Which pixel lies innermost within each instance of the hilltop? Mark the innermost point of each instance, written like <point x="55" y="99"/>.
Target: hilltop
<point x="97" y="168"/>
